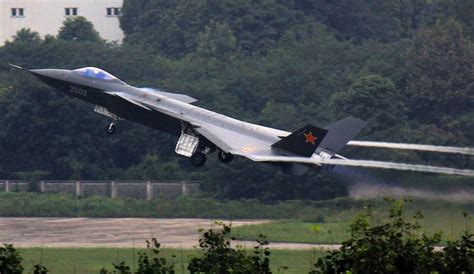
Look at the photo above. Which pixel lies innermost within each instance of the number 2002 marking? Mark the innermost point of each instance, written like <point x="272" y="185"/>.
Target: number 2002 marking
<point x="78" y="91"/>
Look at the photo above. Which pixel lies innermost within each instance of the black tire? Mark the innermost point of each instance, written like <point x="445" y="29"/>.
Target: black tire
<point x="198" y="159"/>
<point x="110" y="129"/>
<point x="225" y="157"/>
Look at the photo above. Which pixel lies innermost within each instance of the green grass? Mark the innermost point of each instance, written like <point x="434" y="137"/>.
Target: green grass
<point x="438" y="217"/>
<point x="23" y="204"/>
<point x="91" y="260"/>
<point x="295" y="231"/>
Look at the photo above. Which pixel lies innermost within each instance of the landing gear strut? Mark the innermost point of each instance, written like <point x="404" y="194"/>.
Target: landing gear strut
<point x="110" y="129"/>
<point x="225" y="157"/>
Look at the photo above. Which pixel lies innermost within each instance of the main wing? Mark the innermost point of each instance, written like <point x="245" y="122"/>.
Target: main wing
<point x="227" y="140"/>
<point x="234" y="142"/>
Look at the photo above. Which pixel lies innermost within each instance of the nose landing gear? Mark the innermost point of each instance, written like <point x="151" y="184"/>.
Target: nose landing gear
<point x="111" y="128"/>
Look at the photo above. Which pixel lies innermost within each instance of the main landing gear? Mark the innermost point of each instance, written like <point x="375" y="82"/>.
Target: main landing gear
<point x="198" y="159"/>
<point x="225" y="157"/>
<point x="190" y="145"/>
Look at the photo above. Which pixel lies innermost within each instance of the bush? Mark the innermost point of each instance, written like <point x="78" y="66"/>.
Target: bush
<point x="10" y="260"/>
<point x="397" y="247"/>
<point x="219" y="257"/>
<point x="459" y="255"/>
<point x="146" y="265"/>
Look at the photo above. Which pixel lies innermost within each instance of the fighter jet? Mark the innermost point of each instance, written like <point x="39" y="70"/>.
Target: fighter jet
<point x="201" y="132"/>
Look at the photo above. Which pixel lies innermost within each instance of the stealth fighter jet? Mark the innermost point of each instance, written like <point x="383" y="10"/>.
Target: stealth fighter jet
<point x="201" y="132"/>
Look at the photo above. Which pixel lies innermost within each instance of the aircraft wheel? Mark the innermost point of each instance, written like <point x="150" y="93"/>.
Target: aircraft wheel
<point x="198" y="159"/>
<point x="225" y="157"/>
<point x="110" y="129"/>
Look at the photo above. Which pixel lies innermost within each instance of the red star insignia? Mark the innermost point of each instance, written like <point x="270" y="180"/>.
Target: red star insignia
<point x="310" y="138"/>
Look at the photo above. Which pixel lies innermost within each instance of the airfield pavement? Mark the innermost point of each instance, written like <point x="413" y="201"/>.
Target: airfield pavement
<point x="119" y="232"/>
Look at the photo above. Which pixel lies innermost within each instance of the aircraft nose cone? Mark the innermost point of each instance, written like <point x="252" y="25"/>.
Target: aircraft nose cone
<point x="52" y="77"/>
<point x="50" y="74"/>
<point x="42" y="72"/>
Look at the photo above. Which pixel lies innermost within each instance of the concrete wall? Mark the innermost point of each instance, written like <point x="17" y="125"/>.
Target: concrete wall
<point x="47" y="17"/>
<point x="133" y="189"/>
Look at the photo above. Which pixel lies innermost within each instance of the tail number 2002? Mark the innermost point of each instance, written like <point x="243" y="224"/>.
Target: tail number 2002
<point x="78" y="91"/>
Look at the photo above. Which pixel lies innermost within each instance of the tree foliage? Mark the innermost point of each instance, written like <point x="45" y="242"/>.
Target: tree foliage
<point x="10" y="260"/>
<point x="147" y="264"/>
<point x="78" y="29"/>
<point x="441" y="72"/>
<point x="374" y="99"/>
<point x="397" y="246"/>
<point x="219" y="257"/>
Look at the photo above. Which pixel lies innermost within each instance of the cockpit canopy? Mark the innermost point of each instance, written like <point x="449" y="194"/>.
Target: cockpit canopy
<point x="96" y="73"/>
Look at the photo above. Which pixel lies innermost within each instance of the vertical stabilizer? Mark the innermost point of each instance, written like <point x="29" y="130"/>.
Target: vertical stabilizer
<point x="341" y="132"/>
<point x="302" y="142"/>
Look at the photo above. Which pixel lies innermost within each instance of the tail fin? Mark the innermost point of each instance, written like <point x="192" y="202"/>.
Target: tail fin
<point x="342" y="132"/>
<point x="302" y="142"/>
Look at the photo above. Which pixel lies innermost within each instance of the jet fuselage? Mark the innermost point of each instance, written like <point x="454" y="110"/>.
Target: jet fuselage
<point x="95" y="91"/>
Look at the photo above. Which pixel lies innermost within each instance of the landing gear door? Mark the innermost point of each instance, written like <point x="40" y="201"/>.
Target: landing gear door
<point x="187" y="144"/>
<point x="104" y="111"/>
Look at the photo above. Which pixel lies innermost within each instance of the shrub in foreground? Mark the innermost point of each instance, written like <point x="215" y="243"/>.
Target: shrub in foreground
<point x="397" y="247"/>
<point x="10" y="262"/>
<point x="219" y="257"/>
<point x="146" y="264"/>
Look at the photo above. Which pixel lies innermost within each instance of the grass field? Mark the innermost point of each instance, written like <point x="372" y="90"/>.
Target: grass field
<point x="295" y="231"/>
<point x="91" y="260"/>
<point x="438" y="217"/>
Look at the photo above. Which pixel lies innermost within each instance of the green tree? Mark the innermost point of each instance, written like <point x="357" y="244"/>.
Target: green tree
<point x="216" y="41"/>
<point x="459" y="255"/>
<point x="385" y="21"/>
<point x="78" y="29"/>
<point x="372" y="98"/>
<point x="10" y="260"/>
<point x="153" y="167"/>
<point x="171" y="27"/>
<point x="440" y="82"/>
<point x="458" y="9"/>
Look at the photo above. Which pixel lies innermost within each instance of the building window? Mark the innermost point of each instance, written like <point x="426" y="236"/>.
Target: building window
<point x="70" y="11"/>
<point x="18" y="12"/>
<point x="113" y="11"/>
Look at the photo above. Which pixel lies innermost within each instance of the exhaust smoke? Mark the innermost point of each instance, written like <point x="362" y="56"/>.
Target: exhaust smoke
<point x="399" y="166"/>
<point x="371" y="191"/>
<point x="442" y="149"/>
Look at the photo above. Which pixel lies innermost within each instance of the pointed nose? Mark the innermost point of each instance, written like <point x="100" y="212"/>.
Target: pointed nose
<point x="53" y="77"/>
<point x="49" y="73"/>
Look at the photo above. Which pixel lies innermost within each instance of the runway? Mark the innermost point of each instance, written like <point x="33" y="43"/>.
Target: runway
<point x="119" y="232"/>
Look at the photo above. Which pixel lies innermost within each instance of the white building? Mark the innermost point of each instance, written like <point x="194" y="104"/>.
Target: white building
<point x="47" y="16"/>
